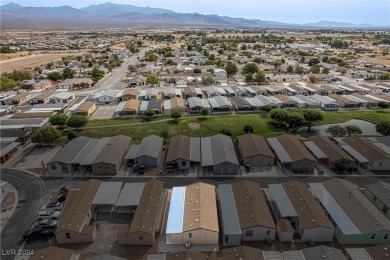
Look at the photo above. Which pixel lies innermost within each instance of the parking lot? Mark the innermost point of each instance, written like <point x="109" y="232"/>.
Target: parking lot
<point x="104" y="112"/>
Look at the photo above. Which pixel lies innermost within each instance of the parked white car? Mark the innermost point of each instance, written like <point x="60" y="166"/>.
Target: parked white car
<point x="48" y="214"/>
<point x="46" y="223"/>
<point x="52" y="206"/>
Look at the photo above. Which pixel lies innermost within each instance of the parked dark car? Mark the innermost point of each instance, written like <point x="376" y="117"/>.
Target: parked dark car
<point x="38" y="233"/>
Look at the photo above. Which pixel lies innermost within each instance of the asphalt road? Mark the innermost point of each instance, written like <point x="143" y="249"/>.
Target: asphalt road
<point x="31" y="194"/>
<point x="115" y="77"/>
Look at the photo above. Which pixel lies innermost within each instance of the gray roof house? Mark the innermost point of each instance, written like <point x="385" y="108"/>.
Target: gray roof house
<point x="146" y="153"/>
<point x="219" y="155"/>
<point x="379" y="193"/>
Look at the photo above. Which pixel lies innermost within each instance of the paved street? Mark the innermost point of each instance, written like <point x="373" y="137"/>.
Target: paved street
<point x="117" y="74"/>
<point x="31" y="194"/>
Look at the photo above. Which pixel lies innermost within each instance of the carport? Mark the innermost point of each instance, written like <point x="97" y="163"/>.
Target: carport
<point x="106" y="197"/>
<point x="129" y="197"/>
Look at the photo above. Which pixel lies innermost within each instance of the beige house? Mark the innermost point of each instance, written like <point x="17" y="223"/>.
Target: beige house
<point x="292" y="154"/>
<point x="131" y="107"/>
<point x="111" y="157"/>
<point x="19" y="99"/>
<point x="193" y="215"/>
<point x="129" y="94"/>
<point x="85" y="109"/>
<point x="74" y="225"/>
<point x="43" y="98"/>
<point x="175" y="104"/>
<point x="255" y="151"/>
<point x="148" y="216"/>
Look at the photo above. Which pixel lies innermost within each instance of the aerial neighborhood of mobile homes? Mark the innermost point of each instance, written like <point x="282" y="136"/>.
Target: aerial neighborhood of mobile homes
<point x="192" y="142"/>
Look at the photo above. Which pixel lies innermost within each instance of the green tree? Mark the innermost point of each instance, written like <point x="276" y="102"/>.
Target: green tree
<point x="149" y="114"/>
<point x="336" y="130"/>
<point x="295" y="119"/>
<point x="313" y="61"/>
<point x="7" y="83"/>
<point x="231" y="69"/>
<point x="343" y="71"/>
<point x="248" y="129"/>
<point x="312" y="116"/>
<point x="315" y="69"/>
<point x="353" y="130"/>
<point x="267" y="108"/>
<point x="225" y="131"/>
<point x="72" y="135"/>
<point x="175" y="115"/>
<point x="279" y="115"/>
<point x="383" y="127"/>
<point x="58" y="119"/>
<point x="249" y="77"/>
<point x="97" y="74"/>
<point x="207" y="80"/>
<point x="383" y="104"/>
<point x="325" y="59"/>
<point x="302" y="59"/>
<point x="76" y="121"/>
<point x="312" y="79"/>
<point x="290" y="69"/>
<point x="132" y="68"/>
<point x="260" y="76"/>
<point x="197" y="71"/>
<point x="152" y="79"/>
<point x="211" y="57"/>
<point x="54" y="76"/>
<point x="204" y="111"/>
<point x="68" y="73"/>
<point x="325" y="70"/>
<point x="277" y="63"/>
<point x="50" y="65"/>
<point x="250" y="68"/>
<point x="299" y="70"/>
<point x="45" y="135"/>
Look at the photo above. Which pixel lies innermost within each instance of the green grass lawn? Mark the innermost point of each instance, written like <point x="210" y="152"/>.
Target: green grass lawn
<point x="210" y="125"/>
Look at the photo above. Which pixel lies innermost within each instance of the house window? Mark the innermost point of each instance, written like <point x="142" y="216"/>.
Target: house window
<point x="380" y="164"/>
<point x="385" y="209"/>
<point x="226" y="239"/>
<point x="385" y="236"/>
<point x="107" y="167"/>
<point x="374" y="198"/>
<point x="53" y="167"/>
<point x="268" y="232"/>
<point x="373" y="236"/>
<point x="67" y="235"/>
<point x="249" y="233"/>
<point x="371" y="164"/>
<point x="141" y="238"/>
<point x="189" y="235"/>
<point x="183" y="163"/>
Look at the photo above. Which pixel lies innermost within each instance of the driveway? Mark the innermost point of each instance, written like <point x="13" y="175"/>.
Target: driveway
<point x="104" y="112"/>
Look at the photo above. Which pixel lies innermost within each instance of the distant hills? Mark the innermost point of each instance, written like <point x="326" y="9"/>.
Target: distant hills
<point x="14" y="15"/>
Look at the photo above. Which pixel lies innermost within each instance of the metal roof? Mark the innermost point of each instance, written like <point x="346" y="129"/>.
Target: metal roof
<point x="198" y="91"/>
<point x="167" y="104"/>
<point x="282" y="201"/>
<point x="297" y="99"/>
<point x="254" y="102"/>
<point x="207" y="152"/>
<point x="85" y="151"/>
<point x="150" y="146"/>
<point x="195" y="149"/>
<point x="279" y="150"/>
<point x="144" y="106"/>
<point x="318" y="153"/>
<point x="293" y="255"/>
<point x="94" y="151"/>
<point x="230" y="222"/>
<point x="176" y="211"/>
<point x="8" y="148"/>
<point x="272" y="255"/>
<point x="341" y="219"/>
<point x="108" y="193"/>
<point x="130" y="194"/>
<point x="70" y="150"/>
<point x="358" y="254"/>
<point x="119" y="108"/>
<point x="213" y="103"/>
<point x="357" y="156"/>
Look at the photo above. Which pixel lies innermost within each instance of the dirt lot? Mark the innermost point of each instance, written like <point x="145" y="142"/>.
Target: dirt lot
<point x="31" y="61"/>
<point x="7" y="56"/>
<point x="104" y="112"/>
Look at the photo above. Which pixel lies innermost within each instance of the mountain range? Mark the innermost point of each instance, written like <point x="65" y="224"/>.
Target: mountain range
<point x="14" y="15"/>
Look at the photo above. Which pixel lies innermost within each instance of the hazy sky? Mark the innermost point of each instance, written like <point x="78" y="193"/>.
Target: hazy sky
<point x="375" y="12"/>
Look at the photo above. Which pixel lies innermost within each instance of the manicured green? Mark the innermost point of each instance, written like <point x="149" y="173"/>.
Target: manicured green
<point x="211" y="125"/>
